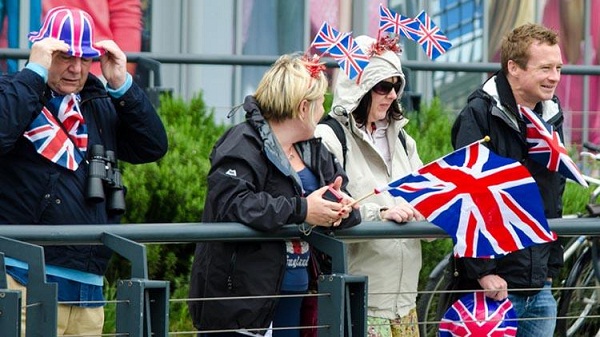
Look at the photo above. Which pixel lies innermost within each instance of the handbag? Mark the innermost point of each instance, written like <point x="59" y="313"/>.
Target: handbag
<point x="309" y="312"/>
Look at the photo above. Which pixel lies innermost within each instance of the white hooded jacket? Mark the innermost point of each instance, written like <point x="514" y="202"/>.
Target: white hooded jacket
<point x="392" y="265"/>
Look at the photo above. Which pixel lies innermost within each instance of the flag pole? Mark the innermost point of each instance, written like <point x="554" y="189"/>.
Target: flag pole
<point x="361" y="198"/>
<point x="376" y="191"/>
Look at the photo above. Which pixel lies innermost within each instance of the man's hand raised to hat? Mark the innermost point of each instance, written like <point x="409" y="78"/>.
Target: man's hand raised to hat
<point x="42" y="51"/>
<point x="113" y="63"/>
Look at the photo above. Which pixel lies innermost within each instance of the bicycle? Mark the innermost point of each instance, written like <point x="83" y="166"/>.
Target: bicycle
<point x="577" y="299"/>
<point x="432" y="302"/>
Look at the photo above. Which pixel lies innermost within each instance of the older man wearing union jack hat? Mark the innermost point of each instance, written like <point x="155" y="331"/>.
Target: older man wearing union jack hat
<point x="52" y="114"/>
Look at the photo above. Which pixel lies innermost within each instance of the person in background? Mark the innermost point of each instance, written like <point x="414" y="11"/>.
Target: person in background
<point x="52" y="114"/>
<point x="267" y="172"/>
<point x="568" y="18"/>
<point x="379" y="151"/>
<point x="117" y="20"/>
<point x="531" y="66"/>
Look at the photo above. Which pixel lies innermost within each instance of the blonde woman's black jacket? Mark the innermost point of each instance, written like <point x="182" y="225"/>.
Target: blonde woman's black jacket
<point x="251" y="182"/>
<point x="492" y="111"/>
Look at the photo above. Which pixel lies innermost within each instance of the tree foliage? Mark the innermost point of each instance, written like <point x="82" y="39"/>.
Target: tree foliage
<point x="174" y="188"/>
<point x="171" y="190"/>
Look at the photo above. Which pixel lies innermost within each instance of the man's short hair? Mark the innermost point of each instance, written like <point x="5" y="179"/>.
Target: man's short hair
<point x="515" y="45"/>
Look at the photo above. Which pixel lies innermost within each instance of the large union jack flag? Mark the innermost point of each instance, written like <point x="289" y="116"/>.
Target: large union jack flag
<point x="50" y="139"/>
<point x="349" y="56"/>
<point x="432" y="39"/>
<point x="476" y="315"/>
<point x="489" y="205"/>
<point x="390" y="21"/>
<point x="546" y="148"/>
<point x="326" y="38"/>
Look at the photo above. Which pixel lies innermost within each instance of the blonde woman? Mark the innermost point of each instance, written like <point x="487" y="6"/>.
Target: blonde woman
<point x="267" y="172"/>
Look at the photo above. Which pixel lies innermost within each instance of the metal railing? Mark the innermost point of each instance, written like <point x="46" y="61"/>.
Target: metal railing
<point x="257" y="60"/>
<point x="150" y="77"/>
<point x="143" y="304"/>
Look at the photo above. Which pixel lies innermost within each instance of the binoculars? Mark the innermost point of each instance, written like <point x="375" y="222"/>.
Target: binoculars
<point x="104" y="178"/>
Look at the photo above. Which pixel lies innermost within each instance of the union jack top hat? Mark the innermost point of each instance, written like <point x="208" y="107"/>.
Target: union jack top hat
<point x="73" y="26"/>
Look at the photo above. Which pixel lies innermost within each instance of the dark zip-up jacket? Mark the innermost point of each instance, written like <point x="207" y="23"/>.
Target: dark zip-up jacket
<point x="492" y="110"/>
<point x="252" y="182"/>
<point x="34" y="190"/>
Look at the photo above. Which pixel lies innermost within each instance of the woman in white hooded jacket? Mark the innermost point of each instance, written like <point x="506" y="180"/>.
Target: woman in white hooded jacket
<point x="370" y="115"/>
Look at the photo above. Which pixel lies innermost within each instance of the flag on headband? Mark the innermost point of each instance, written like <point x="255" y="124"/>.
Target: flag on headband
<point x="546" y="148"/>
<point x="432" y="39"/>
<point x="475" y="314"/>
<point x="349" y="56"/>
<point x="49" y="137"/>
<point x="326" y="38"/>
<point x="72" y="26"/>
<point x="390" y="21"/>
<point x="490" y="205"/>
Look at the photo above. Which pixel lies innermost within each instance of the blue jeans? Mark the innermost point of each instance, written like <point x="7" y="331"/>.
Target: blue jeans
<point x="530" y="309"/>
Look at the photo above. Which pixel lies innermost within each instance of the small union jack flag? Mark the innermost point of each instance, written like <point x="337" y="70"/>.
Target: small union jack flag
<point x="50" y="139"/>
<point x="546" y="148"/>
<point x="390" y="21"/>
<point x="349" y="56"/>
<point x="71" y="25"/>
<point x="490" y="205"/>
<point x="475" y="314"/>
<point x="432" y="39"/>
<point x="326" y="38"/>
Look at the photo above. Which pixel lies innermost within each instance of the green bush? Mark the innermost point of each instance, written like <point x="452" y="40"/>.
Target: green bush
<point x="171" y="190"/>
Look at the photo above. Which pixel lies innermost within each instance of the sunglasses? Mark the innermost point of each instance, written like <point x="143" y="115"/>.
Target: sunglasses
<point x="384" y="87"/>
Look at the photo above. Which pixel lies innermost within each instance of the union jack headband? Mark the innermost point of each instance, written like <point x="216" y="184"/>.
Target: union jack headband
<point x="73" y="26"/>
<point x="342" y="48"/>
<point x="383" y="44"/>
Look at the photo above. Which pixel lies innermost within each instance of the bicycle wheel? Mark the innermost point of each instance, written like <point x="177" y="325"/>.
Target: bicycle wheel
<point x="579" y="304"/>
<point x="431" y="303"/>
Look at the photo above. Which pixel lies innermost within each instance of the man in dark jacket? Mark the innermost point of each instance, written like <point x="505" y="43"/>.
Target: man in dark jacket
<point x="531" y="64"/>
<point x="52" y="113"/>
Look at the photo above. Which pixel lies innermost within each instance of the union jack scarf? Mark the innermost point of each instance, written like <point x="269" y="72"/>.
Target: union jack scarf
<point x="62" y="139"/>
